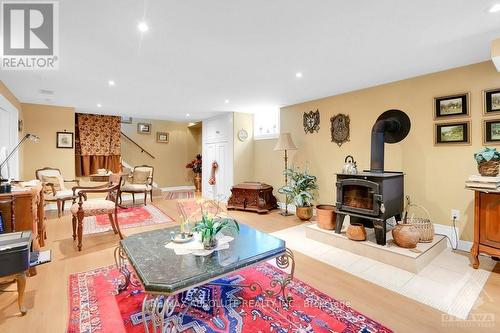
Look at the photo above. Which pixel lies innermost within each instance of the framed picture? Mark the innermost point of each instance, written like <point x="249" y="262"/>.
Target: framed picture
<point x="162" y="137"/>
<point x="451" y="106"/>
<point x="64" y="140"/>
<point x="144" y="128"/>
<point x="457" y="133"/>
<point x="126" y="120"/>
<point x="492" y="101"/>
<point x="491" y="132"/>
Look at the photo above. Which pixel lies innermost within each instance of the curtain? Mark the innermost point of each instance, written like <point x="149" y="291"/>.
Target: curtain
<point x="97" y="143"/>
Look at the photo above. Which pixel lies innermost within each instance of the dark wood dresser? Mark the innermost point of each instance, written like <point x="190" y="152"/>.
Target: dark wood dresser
<point x="252" y="196"/>
<point x="486" y="225"/>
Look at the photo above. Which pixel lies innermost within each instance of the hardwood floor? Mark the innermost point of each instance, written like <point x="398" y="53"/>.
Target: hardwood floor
<point x="47" y="292"/>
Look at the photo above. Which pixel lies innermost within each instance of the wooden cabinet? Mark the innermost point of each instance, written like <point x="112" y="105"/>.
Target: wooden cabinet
<point x="486" y="225"/>
<point x="257" y="197"/>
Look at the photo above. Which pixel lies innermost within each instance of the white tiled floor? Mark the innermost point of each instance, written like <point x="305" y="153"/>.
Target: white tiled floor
<point x="448" y="283"/>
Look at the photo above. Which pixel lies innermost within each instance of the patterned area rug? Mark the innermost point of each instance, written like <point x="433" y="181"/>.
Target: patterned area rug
<point x="94" y="307"/>
<point x="191" y="209"/>
<point x="127" y="218"/>
<point x="175" y="195"/>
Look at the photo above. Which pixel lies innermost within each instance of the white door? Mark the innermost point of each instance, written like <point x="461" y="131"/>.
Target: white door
<point x="8" y="138"/>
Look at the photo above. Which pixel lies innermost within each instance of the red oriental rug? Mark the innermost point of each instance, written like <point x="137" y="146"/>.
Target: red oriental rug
<point x="94" y="307"/>
<point x="127" y="218"/>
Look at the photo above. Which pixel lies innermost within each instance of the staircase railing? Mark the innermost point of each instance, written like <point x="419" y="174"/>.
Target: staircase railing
<point x="135" y="143"/>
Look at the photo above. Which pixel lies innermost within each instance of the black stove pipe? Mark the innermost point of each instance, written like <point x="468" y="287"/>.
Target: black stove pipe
<point x="379" y="129"/>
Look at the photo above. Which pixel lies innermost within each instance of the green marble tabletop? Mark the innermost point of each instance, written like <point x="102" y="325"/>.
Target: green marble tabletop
<point x="162" y="271"/>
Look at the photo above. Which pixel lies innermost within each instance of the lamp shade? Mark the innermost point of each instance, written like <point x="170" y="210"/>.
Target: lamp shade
<point x="285" y="142"/>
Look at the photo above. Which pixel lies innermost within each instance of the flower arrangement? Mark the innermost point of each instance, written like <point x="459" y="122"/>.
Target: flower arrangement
<point x="195" y="164"/>
<point x="211" y="224"/>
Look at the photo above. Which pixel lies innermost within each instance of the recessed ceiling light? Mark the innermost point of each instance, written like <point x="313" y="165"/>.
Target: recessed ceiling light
<point x="99" y="105"/>
<point x="495" y="8"/>
<point x="143" y="27"/>
<point x="187" y="115"/>
<point x="298" y="74"/>
<point x="111" y="83"/>
<point x="226" y="101"/>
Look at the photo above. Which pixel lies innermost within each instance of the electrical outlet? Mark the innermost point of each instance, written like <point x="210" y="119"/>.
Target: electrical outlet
<point x="455" y="214"/>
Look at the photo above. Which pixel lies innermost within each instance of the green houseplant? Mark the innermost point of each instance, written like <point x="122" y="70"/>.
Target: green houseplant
<point x="210" y="225"/>
<point x="301" y="189"/>
<point x="488" y="161"/>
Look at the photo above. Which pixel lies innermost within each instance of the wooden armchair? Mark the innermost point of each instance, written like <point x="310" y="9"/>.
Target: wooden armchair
<point x="139" y="181"/>
<point x="94" y="207"/>
<point x="54" y="188"/>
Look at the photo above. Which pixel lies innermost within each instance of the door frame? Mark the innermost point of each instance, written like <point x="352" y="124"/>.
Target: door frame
<point x="11" y="170"/>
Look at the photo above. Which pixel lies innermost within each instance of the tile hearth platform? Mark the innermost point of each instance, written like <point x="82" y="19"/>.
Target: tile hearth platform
<point x="412" y="260"/>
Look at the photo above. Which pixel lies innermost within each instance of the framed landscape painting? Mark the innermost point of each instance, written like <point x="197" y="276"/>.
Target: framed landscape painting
<point x="457" y="133"/>
<point x="144" y="128"/>
<point x="162" y="137"/>
<point x="492" y="102"/>
<point x="451" y="106"/>
<point x="491" y="132"/>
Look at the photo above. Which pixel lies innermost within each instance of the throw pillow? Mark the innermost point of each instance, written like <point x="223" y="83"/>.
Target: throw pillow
<point x="140" y="177"/>
<point x="55" y="180"/>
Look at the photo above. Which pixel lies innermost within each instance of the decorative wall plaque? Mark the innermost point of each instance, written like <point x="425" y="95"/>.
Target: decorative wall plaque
<point x="339" y="128"/>
<point x="311" y="121"/>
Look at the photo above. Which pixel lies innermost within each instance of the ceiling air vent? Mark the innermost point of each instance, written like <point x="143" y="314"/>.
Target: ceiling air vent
<point x="495" y="53"/>
<point x="46" y="92"/>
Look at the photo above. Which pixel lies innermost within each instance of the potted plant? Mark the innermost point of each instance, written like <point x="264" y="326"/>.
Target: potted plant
<point x="301" y="189"/>
<point x="210" y="226"/>
<point x="195" y="165"/>
<point x="488" y="161"/>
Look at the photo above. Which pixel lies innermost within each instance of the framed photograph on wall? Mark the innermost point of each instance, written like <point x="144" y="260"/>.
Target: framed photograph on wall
<point x="491" y="102"/>
<point x="451" y="106"/>
<point x="162" y="137"/>
<point x="144" y="128"/>
<point x="456" y="133"/>
<point x="491" y="132"/>
<point x="64" y="140"/>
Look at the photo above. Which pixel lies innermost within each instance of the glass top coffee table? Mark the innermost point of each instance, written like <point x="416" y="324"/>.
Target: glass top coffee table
<point x="164" y="274"/>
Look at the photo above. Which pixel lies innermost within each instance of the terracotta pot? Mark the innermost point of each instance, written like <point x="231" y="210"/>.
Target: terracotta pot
<point x="356" y="231"/>
<point x="406" y="235"/>
<point x="326" y="217"/>
<point x="197" y="182"/>
<point x="304" y="213"/>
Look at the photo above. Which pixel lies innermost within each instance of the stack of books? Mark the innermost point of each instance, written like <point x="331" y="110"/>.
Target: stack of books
<point x="476" y="182"/>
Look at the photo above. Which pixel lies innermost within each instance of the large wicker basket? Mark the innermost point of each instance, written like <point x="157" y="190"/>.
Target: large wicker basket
<point x="489" y="168"/>
<point x="423" y="224"/>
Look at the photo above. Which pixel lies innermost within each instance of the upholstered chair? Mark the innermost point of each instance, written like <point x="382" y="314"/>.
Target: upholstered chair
<point x="139" y="181"/>
<point x="54" y="188"/>
<point x="94" y="207"/>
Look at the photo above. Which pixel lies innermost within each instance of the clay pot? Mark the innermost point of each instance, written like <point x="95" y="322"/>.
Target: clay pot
<point x="406" y="235"/>
<point x="356" y="231"/>
<point x="197" y="182"/>
<point x="304" y="213"/>
<point x="326" y="217"/>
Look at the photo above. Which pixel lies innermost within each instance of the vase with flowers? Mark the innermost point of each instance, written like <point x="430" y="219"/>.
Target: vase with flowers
<point x="195" y="166"/>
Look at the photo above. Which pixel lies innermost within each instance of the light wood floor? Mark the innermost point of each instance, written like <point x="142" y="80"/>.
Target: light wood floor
<point x="47" y="292"/>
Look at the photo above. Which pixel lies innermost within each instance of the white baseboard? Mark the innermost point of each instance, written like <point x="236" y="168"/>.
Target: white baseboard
<point x="178" y="188"/>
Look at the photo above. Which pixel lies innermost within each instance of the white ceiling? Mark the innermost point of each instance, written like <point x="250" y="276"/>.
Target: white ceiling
<point x="196" y="54"/>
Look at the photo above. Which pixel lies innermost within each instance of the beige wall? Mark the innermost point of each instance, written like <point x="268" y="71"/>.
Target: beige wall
<point x="170" y="158"/>
<point x="45" y="121"/>
<point x="434" y="175"/>
<point x="243" y="150"/>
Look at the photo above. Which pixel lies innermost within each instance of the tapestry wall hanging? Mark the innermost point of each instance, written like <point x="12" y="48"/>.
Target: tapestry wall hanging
<point x="339" y="128"/>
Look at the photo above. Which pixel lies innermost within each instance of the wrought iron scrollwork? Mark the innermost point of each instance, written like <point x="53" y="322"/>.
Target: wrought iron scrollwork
<point x="121" y="262"/>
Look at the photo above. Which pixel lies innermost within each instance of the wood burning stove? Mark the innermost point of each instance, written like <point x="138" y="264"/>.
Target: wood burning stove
<point x="372" y="197"/>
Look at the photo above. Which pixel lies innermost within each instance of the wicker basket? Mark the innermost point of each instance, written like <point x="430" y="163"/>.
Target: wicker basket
<point x="489" y="168"/>
<point x="423" y="225"/>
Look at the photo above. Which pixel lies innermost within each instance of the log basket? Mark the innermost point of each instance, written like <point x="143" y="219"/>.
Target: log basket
<point x="488" y="168"/>
<point x="423" y="224"/>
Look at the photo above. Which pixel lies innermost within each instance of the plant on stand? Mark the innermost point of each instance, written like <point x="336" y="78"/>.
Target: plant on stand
<point x="301" y="189"/>
<point x="488" y="161"/>
<point x="195" y="165"/>
<point x="212" y="224"/>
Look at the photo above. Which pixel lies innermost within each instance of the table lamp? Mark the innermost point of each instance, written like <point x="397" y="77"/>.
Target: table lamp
<point x="4" y="185"/>
<point x="285" y="143"/>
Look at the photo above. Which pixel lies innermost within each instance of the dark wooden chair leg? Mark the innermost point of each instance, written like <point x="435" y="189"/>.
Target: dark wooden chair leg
<point x="133" y="197"/>
<point x="145" y="198"/>
<point x="73" y="221"/>
<point x="110" y="216"/>
<point x="115" y="221"/>
<point x="151" y="195"/>
<point x="21" y="286"/>
<point x="62" y="207"/>
<point x="80" y="216"/>
<point x="58" y="208"/>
